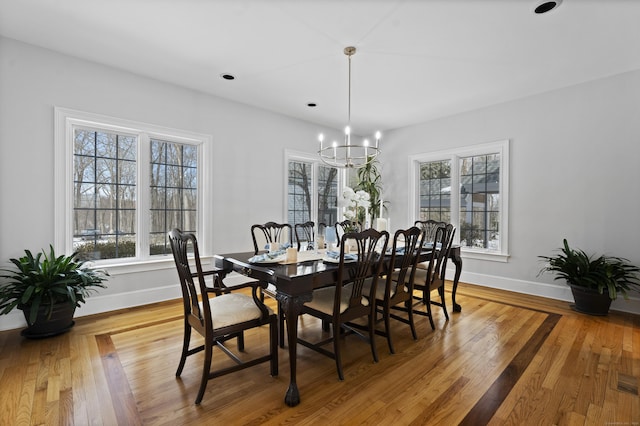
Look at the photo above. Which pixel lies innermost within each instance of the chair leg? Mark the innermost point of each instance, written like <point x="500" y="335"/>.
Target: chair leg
<point x="444" y="305"/>
<point x="412" y="324"/>
<point x="336" y="350"/>
<point x="185" y="348"/>
<point x="206" y="369"/>
<point x="372" y="335"/>
<point x="427" y="302"/>
<point x="387" y="327"/>
<point x="241" y="341"/>
<point x="273" y="345"/>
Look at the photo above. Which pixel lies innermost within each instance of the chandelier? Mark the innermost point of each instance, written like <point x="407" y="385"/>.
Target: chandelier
<point x="348" y="154"/>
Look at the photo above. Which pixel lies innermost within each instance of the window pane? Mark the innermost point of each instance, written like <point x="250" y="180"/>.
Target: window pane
<point x="102" y="186"/>
<point x="299" y="192"/>
<point x="435" y="190"/>
<point x="174" y="195"/>
<point x="480" y="201"/>
<point x="327" y="195"/>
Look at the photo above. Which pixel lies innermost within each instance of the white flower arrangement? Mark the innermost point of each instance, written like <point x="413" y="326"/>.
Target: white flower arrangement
<point x="356" y="204"/>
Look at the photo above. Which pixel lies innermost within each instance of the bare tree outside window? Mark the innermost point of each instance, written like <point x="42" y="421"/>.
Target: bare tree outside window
<point x="301" y="193"/>
<point x="104" y="194"/>
<point x="480" y="201"/>
<point x="327" y="195"/>
<point x="435" y="191"/>
<point x="478" y="192"/>
<point x="174" y="192"/>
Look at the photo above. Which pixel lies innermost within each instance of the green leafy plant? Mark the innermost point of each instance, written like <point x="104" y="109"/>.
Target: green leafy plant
<point x="576" y="267"/>
<point x="370" y="181"/>
<point x="45" y="280"/>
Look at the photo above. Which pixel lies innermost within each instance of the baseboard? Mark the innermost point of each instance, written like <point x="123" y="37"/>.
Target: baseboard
<point x="551" y="291"/>
<point x="105" y="303"/>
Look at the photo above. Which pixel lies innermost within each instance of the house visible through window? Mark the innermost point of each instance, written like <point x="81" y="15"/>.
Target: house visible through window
<point x="469" y="188"/>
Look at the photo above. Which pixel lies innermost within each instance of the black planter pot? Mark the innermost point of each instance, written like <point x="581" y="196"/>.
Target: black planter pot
<point x="589" y="301"/>
<point x="61" y="321"/>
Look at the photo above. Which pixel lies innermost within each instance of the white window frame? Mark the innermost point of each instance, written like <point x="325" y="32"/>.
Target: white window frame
<point x="303" y="157"/>
<point x="454" y="155"/>
<point x="65" y="122"/>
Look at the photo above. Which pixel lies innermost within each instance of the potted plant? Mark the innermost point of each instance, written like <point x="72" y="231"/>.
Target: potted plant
<point x="47" y="288"/>
<point x="594" y="281"/>
<point x="369" y="180"/>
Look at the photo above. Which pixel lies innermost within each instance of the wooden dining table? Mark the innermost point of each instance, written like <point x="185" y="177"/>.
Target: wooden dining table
<point x="295" y="282"/>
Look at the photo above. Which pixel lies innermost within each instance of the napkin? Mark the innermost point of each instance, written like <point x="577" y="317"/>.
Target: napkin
<point x="266" y="256"/>
<point x="399" y="250"/>
<point x="336" y="255"/>
<point x="430" y="245"/>
<point x="283" y="247"/>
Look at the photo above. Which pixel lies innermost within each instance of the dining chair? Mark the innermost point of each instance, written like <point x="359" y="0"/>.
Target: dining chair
<point x="340" y="304"/>
<point x="396" y="286"/>
<point x="263" y="234"/>
<point x="430" y="275"/>
<point x="305" y="234"/>
<point x="346" y="226"/>
<point x="220" y="318"/>
<point x="429" y="227"/>
<point x="270" y="232"/>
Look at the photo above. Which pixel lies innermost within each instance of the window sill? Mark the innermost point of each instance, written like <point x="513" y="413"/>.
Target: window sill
<point x="136" y="266"/>
<point x="484" y="255"/>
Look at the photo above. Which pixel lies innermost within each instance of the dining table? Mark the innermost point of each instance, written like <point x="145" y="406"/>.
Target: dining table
<point x="295" y="281"/>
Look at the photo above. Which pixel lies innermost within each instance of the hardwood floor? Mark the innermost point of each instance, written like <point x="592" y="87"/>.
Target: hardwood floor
<point x="505" y="359"/>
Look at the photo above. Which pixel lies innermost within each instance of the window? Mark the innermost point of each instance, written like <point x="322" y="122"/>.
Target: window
<point x="312" y="189"/>
<point x="104" y="193"/>
<point x="469" y="188"/>
<point x="121" y="186"/>
<point x="174" y="191"/>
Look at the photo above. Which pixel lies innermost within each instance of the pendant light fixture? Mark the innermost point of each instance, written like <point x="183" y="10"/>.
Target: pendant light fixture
<point x="348" y="154"/>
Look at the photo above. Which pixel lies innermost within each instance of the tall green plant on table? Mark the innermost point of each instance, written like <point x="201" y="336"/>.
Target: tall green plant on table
<point x="370" y="181"/>
<point x="40" y="283"/>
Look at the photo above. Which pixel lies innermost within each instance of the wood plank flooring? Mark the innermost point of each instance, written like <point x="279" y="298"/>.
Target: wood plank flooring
<point x="506" y="359"/>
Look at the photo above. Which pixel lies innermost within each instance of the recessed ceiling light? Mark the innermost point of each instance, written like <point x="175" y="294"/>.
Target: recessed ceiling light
<point x="546" y="6"/>
<point x="227" y="76"/>
<point x="312" y="104"/>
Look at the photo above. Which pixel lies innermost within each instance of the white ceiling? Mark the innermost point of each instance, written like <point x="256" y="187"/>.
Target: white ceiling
<point x="416" y="60"/>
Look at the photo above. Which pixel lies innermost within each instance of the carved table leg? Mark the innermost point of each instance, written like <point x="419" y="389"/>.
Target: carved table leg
<point x="292" y="306"/>
<point x="457" y="260"/>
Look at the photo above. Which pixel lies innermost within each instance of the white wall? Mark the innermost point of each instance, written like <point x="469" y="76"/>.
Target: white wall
<point x="574" y="165"/>
<point x="249" y="146"/>
<point x="575" y="174"/>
